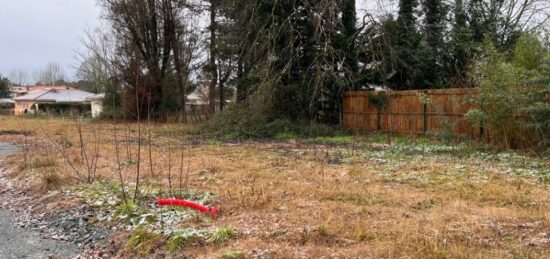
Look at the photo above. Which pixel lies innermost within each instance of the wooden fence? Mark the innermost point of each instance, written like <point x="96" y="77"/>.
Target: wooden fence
<point x="406" y="112"/>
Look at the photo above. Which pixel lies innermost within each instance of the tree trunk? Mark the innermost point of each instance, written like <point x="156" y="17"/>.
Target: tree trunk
<point x="222" y="95"/>
<point x="213" y="56"/>
<point x="240" y="88"/>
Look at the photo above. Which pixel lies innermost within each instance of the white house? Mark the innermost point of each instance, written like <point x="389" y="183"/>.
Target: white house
<point x="58" y="101"/>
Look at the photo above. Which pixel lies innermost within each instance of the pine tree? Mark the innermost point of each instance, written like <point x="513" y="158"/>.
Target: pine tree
<point x="434" y="24"/>
<point x="459" y="48"/>
<point x="4" y="87"/>
<point x="407" y="49"/>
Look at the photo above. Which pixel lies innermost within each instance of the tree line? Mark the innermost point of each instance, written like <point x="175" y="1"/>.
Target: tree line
<point x="291" y="59"/>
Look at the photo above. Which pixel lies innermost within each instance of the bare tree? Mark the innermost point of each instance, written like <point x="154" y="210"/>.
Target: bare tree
<point x="155" y="36"/>
<point x="51" y="75"/>
<point x="19" y="77"/>
<point x="95" y="60"/>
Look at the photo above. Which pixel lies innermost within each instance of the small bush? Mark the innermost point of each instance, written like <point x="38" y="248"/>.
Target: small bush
<point x="475" y="117"/>
<point x="380" y="100"/>
<point x="514" y="94"/>
<point x="240" y="122"/>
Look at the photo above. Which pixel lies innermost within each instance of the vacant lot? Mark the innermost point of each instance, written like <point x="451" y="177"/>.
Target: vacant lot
<point x="374" y="196"/>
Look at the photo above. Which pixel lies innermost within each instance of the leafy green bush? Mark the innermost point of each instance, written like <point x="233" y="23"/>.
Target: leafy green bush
<point x="380" y="100"/>
<point x="241" y="122"/>
<point x="514" y="94"/>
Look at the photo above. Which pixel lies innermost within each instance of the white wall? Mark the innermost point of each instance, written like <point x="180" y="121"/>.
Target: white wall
<point x="97" y="108"/>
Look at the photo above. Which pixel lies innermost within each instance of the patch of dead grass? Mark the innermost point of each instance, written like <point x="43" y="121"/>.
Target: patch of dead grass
<point x="290" y="202"/>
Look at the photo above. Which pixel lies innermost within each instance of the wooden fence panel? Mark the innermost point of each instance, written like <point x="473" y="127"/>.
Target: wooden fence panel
<point x="359" y="115"/>
<point x="406" y="113"/>
<point x="447" y="108"/>
<point x="403" y="113"/>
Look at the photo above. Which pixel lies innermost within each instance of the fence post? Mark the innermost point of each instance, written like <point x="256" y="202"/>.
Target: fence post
<point x="379" y="115"/>
<point x="425" y="115"/>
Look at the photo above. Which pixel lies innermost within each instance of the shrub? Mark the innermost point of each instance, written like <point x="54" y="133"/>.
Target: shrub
<point x="380" y="100"/>
<point x="475" y="117"/>
<point x="238" y="122"/>
<point x="514" y="94"/>
<point x="241" y="122"/>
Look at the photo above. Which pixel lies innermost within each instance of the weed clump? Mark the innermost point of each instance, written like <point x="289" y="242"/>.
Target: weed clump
<point x="221" y="235"/>
<point x="180" y="240"/>
<point x="45" y="162"/>
<point x="190" y="236"/>
<point x="127" y="211"/>
<point x="50" y="181"/>
<point x="143" y="240"/>
<point x="231" y="254"/>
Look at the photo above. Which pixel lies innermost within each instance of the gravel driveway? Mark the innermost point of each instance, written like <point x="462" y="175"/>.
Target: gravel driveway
<point x="22" y="243"/>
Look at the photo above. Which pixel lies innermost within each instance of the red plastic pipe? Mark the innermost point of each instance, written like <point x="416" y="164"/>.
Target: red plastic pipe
<point x="212" y="211"/>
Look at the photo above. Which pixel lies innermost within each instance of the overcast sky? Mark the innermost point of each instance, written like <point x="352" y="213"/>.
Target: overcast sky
<point x="36" y="32"/>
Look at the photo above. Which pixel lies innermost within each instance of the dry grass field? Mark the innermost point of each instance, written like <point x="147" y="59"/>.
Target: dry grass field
<point x="341" y="197"/>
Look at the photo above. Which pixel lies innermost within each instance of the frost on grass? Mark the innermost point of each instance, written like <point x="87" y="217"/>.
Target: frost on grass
<point x="470" y="159"/>
<point x="148" y="222"/>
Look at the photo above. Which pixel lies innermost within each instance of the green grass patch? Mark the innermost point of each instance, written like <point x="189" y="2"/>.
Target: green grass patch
<point x="231" y="254"/>
<point x="125" y="212"/>
<point x="181" y="239"/>
<point x="286" y="135"/>
<point x="334" y="140"/>
<point x="143" y="240"/>
<point x="221" y="235"/>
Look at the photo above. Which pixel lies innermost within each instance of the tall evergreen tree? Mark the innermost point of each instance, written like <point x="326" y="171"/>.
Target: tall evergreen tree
<point x="349" y="32"/>
<point x="434" y="26"/>
<point x="407" y="49"/>
<point x="4" y="87"/>
<point x="459" y="48"/>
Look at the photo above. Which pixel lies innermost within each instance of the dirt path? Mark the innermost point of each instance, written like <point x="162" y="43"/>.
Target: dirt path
<point x="22" y="243"/>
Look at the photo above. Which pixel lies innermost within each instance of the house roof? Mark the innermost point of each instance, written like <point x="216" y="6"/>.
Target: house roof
<point x="194" y="97"/>
<point x="56" y="96"/>
<point x="18" y="89"/>
<point x="25" y="89"/>
<point x="95" y="97"/>
<point x="6" y="101"/>
<point x="48" y="87"/>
